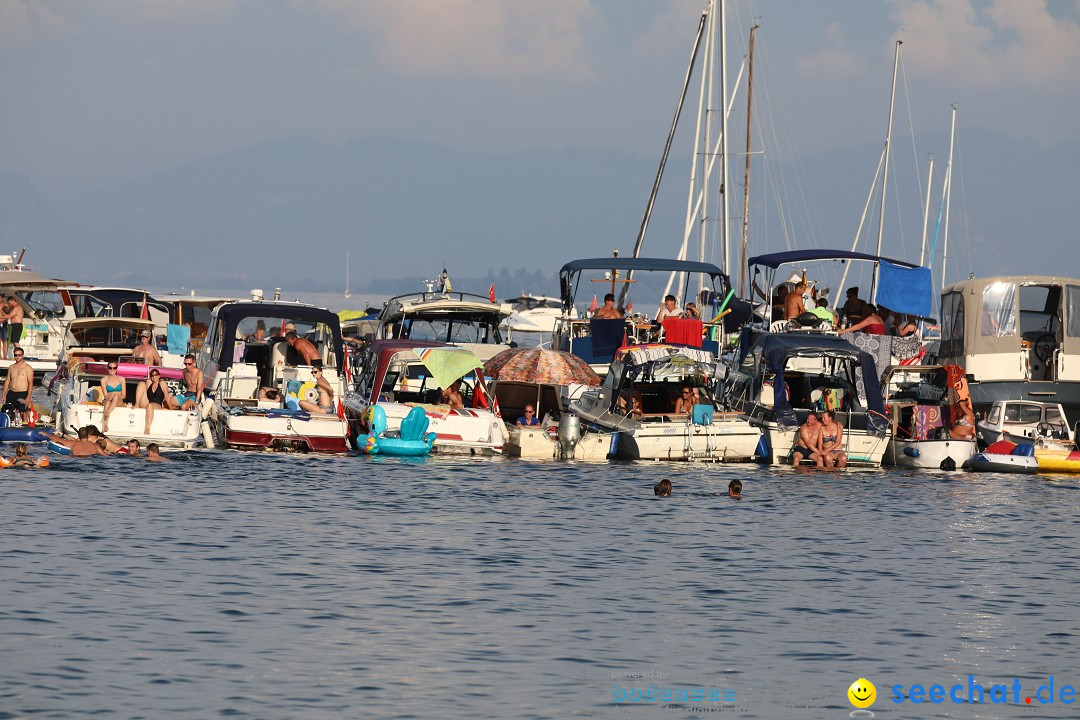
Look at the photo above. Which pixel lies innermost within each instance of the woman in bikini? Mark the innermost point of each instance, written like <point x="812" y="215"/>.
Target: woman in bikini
<point x="832" y="440"/>
<point x="151" y="395"/>
<point x="113" y="390"/>
<point x="872" y="324"/>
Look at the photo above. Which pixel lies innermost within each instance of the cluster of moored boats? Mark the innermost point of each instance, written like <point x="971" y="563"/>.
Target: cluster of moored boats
<point x="439" y="371"/>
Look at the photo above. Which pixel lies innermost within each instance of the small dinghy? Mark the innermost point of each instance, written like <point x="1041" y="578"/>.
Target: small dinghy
<point x="1005" y="457"/>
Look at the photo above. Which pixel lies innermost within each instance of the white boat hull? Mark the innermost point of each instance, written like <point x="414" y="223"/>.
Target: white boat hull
<point x="531" y="443"/>
<point x="255" y="431"/>
<point x="171" y="428"/>
<point x="462" y="431"/>
<point x="863" y="449"/>
<point x="929" y="454"/>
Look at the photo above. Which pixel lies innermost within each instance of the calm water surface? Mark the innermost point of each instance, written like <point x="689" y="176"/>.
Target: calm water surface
<point x="272" y="586"/>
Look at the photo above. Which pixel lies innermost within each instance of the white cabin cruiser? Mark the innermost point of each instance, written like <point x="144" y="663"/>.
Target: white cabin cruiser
<point x="534" y="314"/>
<point x="97" y="343"/>
<point x="922" y="402"/>
<point x="394" y="376"/>
<point x="633" y="414"/>
<point x="247" y="353"/>
<point x="1026" y="421"/>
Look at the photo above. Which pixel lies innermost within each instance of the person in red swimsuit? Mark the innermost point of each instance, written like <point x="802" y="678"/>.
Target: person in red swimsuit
<point x="872" y="324"/>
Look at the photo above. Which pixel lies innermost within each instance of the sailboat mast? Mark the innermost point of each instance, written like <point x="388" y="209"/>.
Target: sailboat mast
<point x="885" y="175"/>
<point x="746" y="174"/>
<point x="708" y="75"/>
<point x="948" y="194"/>
<point x="926" y="211"/>
<point x="723" y="141"/>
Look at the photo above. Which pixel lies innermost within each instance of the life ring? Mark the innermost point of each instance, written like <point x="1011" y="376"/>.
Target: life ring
<point x="58" y="448"/>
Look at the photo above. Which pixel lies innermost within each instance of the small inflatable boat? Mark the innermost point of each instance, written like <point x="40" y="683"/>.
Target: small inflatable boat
<point x="1005" y="457"/>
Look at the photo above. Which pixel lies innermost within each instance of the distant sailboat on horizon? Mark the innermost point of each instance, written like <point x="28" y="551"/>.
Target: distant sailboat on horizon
<point x="348" y="293"/>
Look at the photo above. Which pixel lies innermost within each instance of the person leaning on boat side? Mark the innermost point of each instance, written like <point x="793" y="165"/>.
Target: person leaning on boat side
<point x="872" y="324"/>
<point x="608" y="311"/>
<point x="12" y="314"/>
<point x="452" y="395"/>
<point x="808" y="442"/>
<point x="793" y="303"/>
<point x="326" y="393"/>
<point x="153" y="454"/>
<point x="303" y="346"/>
<point x="145" y="350"/>
<point x="194" y="385"/>
<point x="151" y="395"/>
<point x="832" y="441"/>
<point x="133" y="447"/>
<point x="964" y="429"/>
<point x="18" y="385"/>
<point x="81" y="446"/>
<point x="93" y="435"/>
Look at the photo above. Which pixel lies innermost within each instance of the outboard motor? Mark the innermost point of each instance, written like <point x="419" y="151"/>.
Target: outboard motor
<point x="569" y="433"/>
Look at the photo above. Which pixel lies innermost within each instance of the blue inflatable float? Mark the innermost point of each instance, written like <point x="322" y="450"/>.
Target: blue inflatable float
<point x="414" y="439"/>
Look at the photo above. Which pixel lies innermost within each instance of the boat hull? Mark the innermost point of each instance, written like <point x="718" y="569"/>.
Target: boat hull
<point x="992" y="462"/>
<point x="929" y="454"/>
<point x="531" y="443"/>
<point x="863" y="449"/>
<point x="1058" y="461"/>
<point x="170" y="428"/>
<point x="723" y="441"/>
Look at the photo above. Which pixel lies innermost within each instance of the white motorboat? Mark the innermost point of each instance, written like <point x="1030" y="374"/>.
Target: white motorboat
<point x="393" y="376"/>
<point x="920" y="403"/>
<point x="1026" y="421"/>
<point x="632" y="415"/>
<point x="95" y="343"/>
<point x="815" y="372"/>
<point x="534" y="314"/>
<point x="239" y="367"/>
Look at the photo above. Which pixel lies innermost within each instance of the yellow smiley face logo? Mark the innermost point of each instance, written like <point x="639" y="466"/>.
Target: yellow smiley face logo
<point x="862" y="693"/>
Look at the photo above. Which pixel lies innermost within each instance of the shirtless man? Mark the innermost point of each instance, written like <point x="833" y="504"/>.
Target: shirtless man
<point x="452" y="395"/>
<point x="808" y="442"/>
<point x="326" y="394"/>
<point x="153" y="454"/>
<point x="303" y="346"/>
<point x="81" y="446"/>
<point x="793" y="303"/>
<point x="146" y="351"/>
<point x="608" y="311"/>
<point x="12" y="314"/>
<point x="18" y="384"/>
<point x="194" y="384"/>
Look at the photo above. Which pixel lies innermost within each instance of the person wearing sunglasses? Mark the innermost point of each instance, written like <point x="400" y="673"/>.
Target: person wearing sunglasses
<point x="113" y="391"/>
<point x="326" y="393"/>
<point x="152" y="394"/>
<point x="18" y="384"/>
<point x="194" y="383"/>
<point x="529" y="419"/>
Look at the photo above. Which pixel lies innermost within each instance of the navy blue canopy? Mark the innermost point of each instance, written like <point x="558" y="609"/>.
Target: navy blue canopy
<point x="640" y="263"/>
<point x="775" y="260"/>
<point x="232" y="314"/>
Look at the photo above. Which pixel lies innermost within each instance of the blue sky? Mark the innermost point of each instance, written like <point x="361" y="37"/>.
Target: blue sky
<point x="117" y="88"/>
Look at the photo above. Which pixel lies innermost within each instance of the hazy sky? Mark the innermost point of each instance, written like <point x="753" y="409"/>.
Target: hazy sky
<point x="116" y="88"/>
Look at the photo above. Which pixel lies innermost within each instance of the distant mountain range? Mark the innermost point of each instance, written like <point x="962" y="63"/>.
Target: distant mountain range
<point x="283" y="213"/>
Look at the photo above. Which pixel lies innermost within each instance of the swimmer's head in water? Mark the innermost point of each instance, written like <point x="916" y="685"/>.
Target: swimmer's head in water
<point x="662" y="488"/>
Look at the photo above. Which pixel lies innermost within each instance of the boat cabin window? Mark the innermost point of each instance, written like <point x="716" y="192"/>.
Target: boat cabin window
<point x="451" y="331"/>
<point x="44" y="302"/>
<point x="998" y="316"/>
<point x="1072" y="310"/>
<point x="1040" y="311"/>
<point x="952" y="324"/>
<point x="1053" y="416"/>
<point x="995" y="415"/>
<point x="1024" y="414"/>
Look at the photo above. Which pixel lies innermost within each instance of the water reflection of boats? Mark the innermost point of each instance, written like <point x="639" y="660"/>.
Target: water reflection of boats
<point x="632" y="415"/>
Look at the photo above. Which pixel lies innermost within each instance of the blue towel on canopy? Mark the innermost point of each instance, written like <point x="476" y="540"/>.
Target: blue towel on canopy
<point x="178" y="338"/>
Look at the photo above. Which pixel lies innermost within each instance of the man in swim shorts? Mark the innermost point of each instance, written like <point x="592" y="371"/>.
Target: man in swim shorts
<point x="808" y="442"/>
<point x="188" y="399"/>
<point x="326" y="394"/>
<point x="12" y="314"/>
<point x="18" y="384"/>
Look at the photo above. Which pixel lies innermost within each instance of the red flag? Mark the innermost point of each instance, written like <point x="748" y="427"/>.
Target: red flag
<point x="630" y="307"/>
<point x="491" y="292"/>
<point x="592" y="305"/>
<point x="145" y="309"/>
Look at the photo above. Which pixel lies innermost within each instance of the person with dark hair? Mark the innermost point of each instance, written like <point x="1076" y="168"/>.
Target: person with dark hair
<point x="153" y="394"/>
<point x="872" y="324"/>
<point x="133" y="447"/>
<point x="854" y="307"/>
<point x="662" y="488"/>
<point x="734" y="489"/>
<point x="832" y="441"/>
<point x="794" y="306"/>
<point x="822" y="311"/>
<point x="668" y="310"/>
<point x="307" y="350"/>
<point x="153" y="453"/>
<point x="808" y="442"/>
<point x="608" y="310"/>
<point x="194" y="384"/>
<point x="81" y="446"/>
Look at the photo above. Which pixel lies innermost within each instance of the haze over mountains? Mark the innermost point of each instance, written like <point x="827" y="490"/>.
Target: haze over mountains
<point x="283" y="213"/>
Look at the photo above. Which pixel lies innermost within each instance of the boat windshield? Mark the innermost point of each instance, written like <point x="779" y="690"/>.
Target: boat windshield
<point x="451" y="330"/>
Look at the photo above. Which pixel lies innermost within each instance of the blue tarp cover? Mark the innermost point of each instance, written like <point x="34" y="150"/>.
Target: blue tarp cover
<point x="906" y="290"/>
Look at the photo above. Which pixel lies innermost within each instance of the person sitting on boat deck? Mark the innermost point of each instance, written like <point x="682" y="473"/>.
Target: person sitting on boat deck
<point x="872" y="324"/>
<point x="259" y="336"/>
<point x="964" y="429"/>
<point x="269" y="393"/>
<point x="152" y="394"/>
<point x="794" y="306"/>
<point x="669" y="309"/>
<point x="822" y="311"/>
<point x="18" y="384"/>
<point x="325" y="405"/>
<point x="146" y="350"/>
<point x="662" y="488"/>
<point x="153" y="453"/>
<point x="113" y="390"/>
<point x="608" y="309"/>
<point x="81" y="446"/>
<point x="12" y="314"/>
<point x="307" y="350"/>
<point x="692" y="311"/>
<point x="808" y="442"/>
<point x="452" y="395"/>
<point x="529" y="419"/>
<point x="779" y="298"/>
<point x="854" y="308"/>
<point x="734" y="489"/>
<point x="688" y="398"/>
<point x="133" y="447"/>
<point x="194" y="384"/>
<point x="832" y="441"/>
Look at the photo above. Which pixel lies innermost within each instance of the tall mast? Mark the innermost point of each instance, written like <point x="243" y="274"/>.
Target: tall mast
<point x="746" y="174"/>
<point x="709" y="79"/>
<point x="926" y="210"/>
<point x="948" y="194"/>
<point x="723" y="140"/>
<point x="885" y="175"/>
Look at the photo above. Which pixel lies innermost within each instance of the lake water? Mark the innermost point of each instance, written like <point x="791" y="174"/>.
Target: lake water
<point x="274" y="586"/>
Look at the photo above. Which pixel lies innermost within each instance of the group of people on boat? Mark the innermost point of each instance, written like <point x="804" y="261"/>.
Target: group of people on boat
<point x="153" y="393"/>
<point x="856" y="315"/>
